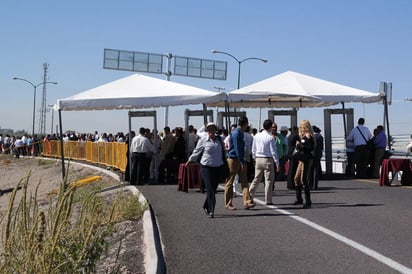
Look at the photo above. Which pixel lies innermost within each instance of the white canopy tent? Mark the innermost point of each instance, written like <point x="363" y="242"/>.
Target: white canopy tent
<point x="292" y="89"/>
<point x="136" y="92"/>
<point x="295" y="90"/>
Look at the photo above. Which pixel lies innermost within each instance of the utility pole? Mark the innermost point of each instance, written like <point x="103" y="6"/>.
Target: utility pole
<point x="43" y="108"/>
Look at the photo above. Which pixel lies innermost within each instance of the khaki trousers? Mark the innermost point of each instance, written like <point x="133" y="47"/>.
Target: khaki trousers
<point x="264" y="166"/>
<point x="235" y="169"/>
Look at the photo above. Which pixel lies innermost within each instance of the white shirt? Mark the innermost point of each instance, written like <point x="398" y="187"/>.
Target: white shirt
<point x="19" y="143"/>
<point x="356" y="136"/>
<point x="409" y="147"/>
<point x="264" y="146"/>
<point x="141" y="144"/>
<point x="193" y="138"/>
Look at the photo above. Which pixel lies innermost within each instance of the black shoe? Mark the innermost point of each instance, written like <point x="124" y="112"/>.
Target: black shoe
<point x="206" y="211"/>
<point x="211" y="215"/>
<point x="307" y="205"/>
<point x="298" y="202"/>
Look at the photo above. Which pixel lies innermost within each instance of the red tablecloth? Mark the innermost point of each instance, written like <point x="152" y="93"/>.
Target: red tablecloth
<point x="189" y="177"/>
<point x="393" y="165"/>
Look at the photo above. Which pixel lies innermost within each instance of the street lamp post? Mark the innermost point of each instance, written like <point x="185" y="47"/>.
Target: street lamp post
<point x="34" y="96"/>
<point x="239" y="62"/>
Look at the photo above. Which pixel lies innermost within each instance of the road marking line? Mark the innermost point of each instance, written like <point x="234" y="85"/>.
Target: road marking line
<point x="365" y="250"/>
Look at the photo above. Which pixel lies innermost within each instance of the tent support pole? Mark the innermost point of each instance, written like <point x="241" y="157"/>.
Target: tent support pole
<point x="61" y="146"/>
<point x="129" y="156"/>
<point x="345" y="133"/>
<point x="386" y="119"/>
<point x="205" y="115"/>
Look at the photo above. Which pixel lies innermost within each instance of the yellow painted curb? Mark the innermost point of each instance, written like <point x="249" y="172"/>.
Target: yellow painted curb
<point x="84" y="181"/>
<point x="79" y="183"/>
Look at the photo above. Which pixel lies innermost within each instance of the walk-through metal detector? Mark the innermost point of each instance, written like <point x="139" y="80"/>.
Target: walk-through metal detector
<point x="205" y="113"/>
<point x="221" y="115"/>
<point x="293" y="113"/>
<point x="153" y="114"/>
<point x="348" y="124"/>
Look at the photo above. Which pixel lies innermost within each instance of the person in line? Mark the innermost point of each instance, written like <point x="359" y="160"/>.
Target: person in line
<point x="180" y="146"/>
<point x="283" y="160"/>
<point x="7" y="144"/>
<point x="380" y="142"/>
<point x="128" y="156"/>
<point x="350" y="159"/>
<point x="266" y="161"/>
<point x="316" y="171"/>
<point x="293" y="163"/>
<point x="248" y="154"/>
<point x="360" y="135"/>
<point x="140" y="146"/>
<point x="193" y="139"/>
<point x="304" y="147"/>
<point x="281" y="148"/>
<point x="168" y="165"/>
<point x="19" y="146"/>
<point x="149" y="167"/>
<point x="209" y="149"/>
<point x="237" y="166"/>
<point x="227" y="146"/>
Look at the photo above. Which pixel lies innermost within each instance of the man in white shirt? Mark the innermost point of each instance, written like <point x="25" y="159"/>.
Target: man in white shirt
<point x="140" y="146"/>
<point x="19" y="145"/>
<point x="265" y="154"/>
<point x="193" y="138"/>
<point x="360" y="135"/>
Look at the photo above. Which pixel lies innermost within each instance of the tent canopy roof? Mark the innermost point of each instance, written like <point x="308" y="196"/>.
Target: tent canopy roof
<point x="138" y="91"/>
<point x="292" y="89"/>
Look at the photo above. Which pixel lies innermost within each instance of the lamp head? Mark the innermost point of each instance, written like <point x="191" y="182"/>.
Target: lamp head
<point x="214" y="51"/>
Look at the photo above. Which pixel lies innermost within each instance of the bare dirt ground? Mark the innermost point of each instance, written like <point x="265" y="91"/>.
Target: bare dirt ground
<point x="128" y="258"/>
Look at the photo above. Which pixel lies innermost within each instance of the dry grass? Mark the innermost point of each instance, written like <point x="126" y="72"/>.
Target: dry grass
<point x="66" y="236"/>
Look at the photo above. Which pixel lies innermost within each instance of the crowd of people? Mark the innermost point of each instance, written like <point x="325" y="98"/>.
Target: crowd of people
<point x="24" y="145"/>
<point x="28" y="145"/>
<point x="245" y="156"/>
<point x="269" y="155"/>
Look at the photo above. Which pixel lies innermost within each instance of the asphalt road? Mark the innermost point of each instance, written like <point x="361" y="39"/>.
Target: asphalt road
<point x="354" y="226"/>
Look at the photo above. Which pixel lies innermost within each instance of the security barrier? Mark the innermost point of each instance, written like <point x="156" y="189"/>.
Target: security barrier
<point x="110" y="154"/>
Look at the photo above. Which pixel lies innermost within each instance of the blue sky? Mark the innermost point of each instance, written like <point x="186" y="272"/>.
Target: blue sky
<point x="355" y="43"/>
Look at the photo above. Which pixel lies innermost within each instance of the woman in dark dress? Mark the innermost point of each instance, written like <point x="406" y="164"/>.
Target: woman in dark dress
<point x="304" y="155"/>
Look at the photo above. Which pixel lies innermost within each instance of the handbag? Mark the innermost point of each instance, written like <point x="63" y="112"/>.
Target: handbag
<point x="370" y="144"/>
<point x="298" y="155"/>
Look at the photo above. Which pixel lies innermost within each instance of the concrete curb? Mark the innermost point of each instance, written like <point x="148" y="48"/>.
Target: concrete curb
<point x="153" y="258"/>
